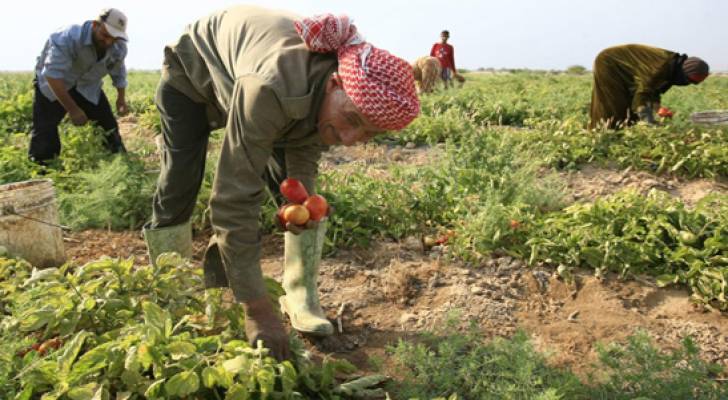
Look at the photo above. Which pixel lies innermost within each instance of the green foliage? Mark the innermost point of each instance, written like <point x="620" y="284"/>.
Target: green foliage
<point x="134" y="332"/>
<point x="555" y="110"/>
<point x="632" y="234"/>
<point x="149" y="119"/>
<point x="82" y="148"/>
<point x="476" y="188"/>
<point x="638" y="370"/>
<point x="468" y="367"/>
<point x="16" y="113"/>
<point x="115" y="195"/>
<point x="690" y="152"/>
<point x="472" y="369"/>
<point x="14" y="163"/>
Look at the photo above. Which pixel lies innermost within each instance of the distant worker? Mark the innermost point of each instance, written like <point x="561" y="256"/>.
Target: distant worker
<point x="445" y="53"/>
<point x="69" y="78"/>
<point x="629" y="80"/>
<point x="427" y="72"/>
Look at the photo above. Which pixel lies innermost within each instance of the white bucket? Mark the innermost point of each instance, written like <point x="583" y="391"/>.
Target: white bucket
<point x="29" y="223"/>
<point x="714" y="117"/>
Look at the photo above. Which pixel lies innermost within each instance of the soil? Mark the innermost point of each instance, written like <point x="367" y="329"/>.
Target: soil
<point x="590" y="183"/>
<point x="399" y="290"/>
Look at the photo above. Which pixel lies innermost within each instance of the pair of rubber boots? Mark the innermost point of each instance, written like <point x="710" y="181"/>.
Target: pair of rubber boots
<point x="300" y="276"/>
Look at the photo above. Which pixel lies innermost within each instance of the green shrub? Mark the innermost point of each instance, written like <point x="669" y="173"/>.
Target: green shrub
<point x="116" y="195"/>
<point x="127" y="331"/>
<point x="576" y="70"/>
<point x="638" y="370"/>
<point x="473" y="369"/>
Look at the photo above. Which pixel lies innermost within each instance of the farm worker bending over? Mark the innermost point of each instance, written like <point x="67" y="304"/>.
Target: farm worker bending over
<point x="446" y="54"/>
<point x="426" y="71"/>
<point x="275" y="82"/>
<point x="629" y="80"/>
<point x="68" y="79"/>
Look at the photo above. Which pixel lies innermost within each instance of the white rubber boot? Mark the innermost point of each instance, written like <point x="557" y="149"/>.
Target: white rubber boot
<point x="176" y="238"/>
<point x="300" y="280"/>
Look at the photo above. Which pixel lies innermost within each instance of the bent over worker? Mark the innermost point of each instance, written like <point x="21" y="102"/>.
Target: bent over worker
<point x="69" y="78"/>
<point x="276" y="83"/>
<point x="630" y="79"/>
<point x="426" y="71"/>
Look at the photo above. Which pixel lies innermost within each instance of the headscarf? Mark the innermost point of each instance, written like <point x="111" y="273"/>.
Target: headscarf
<point x="379" y="84"/>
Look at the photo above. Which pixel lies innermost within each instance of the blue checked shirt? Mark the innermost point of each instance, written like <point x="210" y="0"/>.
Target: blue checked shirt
<point x="69" y="54"/>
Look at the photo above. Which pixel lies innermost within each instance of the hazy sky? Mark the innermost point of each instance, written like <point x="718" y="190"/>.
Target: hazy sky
<point x="543" y="34"/>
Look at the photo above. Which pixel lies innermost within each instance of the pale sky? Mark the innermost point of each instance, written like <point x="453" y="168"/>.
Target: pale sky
<point x="537" y="34"/>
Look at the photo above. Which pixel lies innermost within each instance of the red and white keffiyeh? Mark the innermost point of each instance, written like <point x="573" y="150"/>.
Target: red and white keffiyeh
<point x="380" y="84"/>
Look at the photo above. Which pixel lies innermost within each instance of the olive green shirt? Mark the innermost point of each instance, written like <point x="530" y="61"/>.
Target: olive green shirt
<point x="262" y="84"/>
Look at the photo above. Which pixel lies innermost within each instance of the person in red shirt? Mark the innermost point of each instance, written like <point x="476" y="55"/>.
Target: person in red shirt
<point x="446" y="54"/>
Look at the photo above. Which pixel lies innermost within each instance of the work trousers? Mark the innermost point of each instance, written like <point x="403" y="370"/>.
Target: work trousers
<point x="45" y="144"/>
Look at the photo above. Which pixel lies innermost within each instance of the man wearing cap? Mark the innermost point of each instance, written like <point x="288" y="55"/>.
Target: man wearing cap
<point x="630" y="79"/>
<point x="69" y="78"/>
<point x="278" y="84"/>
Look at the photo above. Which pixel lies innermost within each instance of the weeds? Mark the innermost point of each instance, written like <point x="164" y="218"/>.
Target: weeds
<point x="469" y="367"/>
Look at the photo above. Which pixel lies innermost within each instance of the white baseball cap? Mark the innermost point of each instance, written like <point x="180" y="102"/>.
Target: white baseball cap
<point x="115" y="22"/>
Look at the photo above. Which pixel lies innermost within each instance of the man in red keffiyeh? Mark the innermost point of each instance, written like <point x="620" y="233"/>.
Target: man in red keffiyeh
<point x="284" y="89"/>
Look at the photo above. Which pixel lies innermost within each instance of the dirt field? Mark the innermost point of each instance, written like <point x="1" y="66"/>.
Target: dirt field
<point x="399" y="289"/>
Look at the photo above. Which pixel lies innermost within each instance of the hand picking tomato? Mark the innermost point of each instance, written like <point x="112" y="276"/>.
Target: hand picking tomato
<point x="317" y="207"/>
<point x="296" y="214"/>
<point x="293" y="190"/>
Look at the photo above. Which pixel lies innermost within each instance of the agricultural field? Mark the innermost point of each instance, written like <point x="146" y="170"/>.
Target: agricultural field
<point x="494" y="249"/>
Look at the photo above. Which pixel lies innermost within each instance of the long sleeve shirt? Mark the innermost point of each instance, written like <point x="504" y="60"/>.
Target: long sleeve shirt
<point x="265" y="87"/>
<point x="445" y="53"/>
<point x="647" y="72"/>
<point x="630" y="76"/>
<point x="69" y="54"/>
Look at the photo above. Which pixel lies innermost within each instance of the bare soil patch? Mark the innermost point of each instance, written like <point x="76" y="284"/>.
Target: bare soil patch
<point x="590" y="183"/>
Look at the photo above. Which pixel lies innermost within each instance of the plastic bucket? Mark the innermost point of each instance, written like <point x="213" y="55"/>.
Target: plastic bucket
<point x="29" y="223"/>
<point x="714" y="117"/>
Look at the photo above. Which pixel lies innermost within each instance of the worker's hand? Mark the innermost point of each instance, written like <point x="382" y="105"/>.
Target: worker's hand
<point x="262" y="323"/>
<point x="121" y="107"/>
<point x="298" y="229"/>
<point x="78" y="117"/>
<point x="646" y="114"/>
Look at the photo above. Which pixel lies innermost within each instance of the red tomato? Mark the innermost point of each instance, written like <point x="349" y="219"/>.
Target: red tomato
<point x="515" y="224"/>
<point x="317" y="206"/>
<point x="665" y="112"/>
<point x="296" y="214"/>
<point x="294" y="191"/>
<point x="281" y="212"/>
